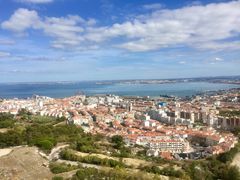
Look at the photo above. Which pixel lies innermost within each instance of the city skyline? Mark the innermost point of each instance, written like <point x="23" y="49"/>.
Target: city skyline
<point x="59" y="40"/>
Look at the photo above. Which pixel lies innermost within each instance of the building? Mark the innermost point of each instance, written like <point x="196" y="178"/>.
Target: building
<point x="169" y="145"/>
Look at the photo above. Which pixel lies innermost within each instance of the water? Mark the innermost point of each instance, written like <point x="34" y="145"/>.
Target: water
<point x="58" y="90"/>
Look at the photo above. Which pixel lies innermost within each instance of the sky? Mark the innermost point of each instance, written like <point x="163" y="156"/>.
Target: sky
<point x="81" y="40"/>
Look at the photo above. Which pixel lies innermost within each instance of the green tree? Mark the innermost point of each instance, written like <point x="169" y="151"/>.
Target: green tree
<point x="118" y="141"/>
<point x="45" y="144"/>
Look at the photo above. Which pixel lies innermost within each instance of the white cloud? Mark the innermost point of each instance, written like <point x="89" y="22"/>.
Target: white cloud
<point x="215" y="60"/>
<point x="4" y="41"/>
<point x="35" y="1"/>
<point x="21" y="20"/>
<point x="66" y="31"/>
<point x="195" y="26"/>
<point x="218" y="59"/>
<point x="4" y="54"/>
<point x="182" y="62"/>
<point x="232" y="45"/>
<point x="214" y="26"/>
<point x="153" y="6"/>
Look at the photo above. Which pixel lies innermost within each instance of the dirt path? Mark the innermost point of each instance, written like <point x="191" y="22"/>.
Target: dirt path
<point x="4" y="152"/>
<point x="55" y="152"/>
<point x="236" y="160"/>
<point x="3" y="130"/>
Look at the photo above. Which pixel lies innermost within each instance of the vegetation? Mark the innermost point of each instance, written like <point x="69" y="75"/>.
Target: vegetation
<point x="61" y="167"/>
<point x="118" y="141"/>
<point x="23" y="112"/>
<point x="87" y="144"/>
<point x="227" y="157"/>
<point x="119" y="144"/>
<point x="215" y="167"/>
<point x="43" y="135"/>
<point x="236" y="132"/>
<point x="34" y="130"/>
<point x="167" y="171"/>
<point x="11" y="138"/>
<point x="6" y="120"/>
<point x="230" y="113"/>
<point x="57" y="178"/>
<point x="70" y="155"/>
<point x="120" y="174"/>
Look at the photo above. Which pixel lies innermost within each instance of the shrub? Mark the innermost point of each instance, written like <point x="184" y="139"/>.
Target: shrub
<point x="45" y="144"/>
<point x="61" y="167"/>
<point x="57" y="178"/>
<point x="118" y="141"/>
<point x="6" y="120"/>
<point x="167" y="171"/>
<point x="69" y="155"/>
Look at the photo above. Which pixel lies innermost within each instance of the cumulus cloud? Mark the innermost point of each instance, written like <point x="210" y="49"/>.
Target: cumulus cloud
<point x="35" y="1"/>
<point x="196" y="26"/>
<point x="65" y="30"/>
<point x="213" y="26"/>
<point x="21" y="20"/>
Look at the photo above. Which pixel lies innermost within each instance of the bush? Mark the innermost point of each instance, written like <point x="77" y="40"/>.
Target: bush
<point x="86" y="144"/>
<point x="118" y="141"/>
<point x="69" y="155"/>
<point x="228" y="156"/>
<point x="215" y="167"/>
<point x="6" y="120"/>
<point x="45" y="144"/>
<point x="167" y="171"/>
<point x="233" y="173"/>
<point x="57" y="178"/>
<point x="11" y="138"/>
<point x="61" y="167"/>
<point x="7" y="124"/>
<point x="93" y="173"/>
<point x="230" y="113"/>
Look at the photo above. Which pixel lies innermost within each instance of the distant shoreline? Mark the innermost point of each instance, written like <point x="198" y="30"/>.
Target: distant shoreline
<point x="152" y="89"/>
<point x="214" y="79"/>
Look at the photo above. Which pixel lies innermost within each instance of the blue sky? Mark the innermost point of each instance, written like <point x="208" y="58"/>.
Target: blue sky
<point x="75" y="40"/>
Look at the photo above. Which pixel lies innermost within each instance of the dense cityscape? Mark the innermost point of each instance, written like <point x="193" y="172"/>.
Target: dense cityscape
<point x="169" y="127"/>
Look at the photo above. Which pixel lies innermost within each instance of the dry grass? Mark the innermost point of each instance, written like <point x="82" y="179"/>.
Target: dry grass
<point x="135" y="163"/>
<point x="24" y="163"/>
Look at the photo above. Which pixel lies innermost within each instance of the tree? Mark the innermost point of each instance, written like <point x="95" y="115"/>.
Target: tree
<point x="45" y="144"/>
<point x="118" y="141"/>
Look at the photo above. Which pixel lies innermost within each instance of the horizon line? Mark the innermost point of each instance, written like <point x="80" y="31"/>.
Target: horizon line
<point x="76" y="81"/>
